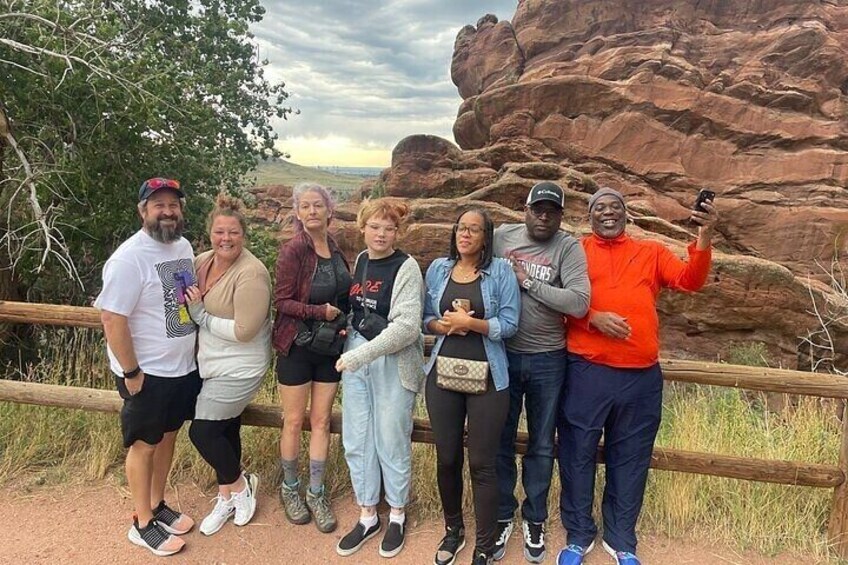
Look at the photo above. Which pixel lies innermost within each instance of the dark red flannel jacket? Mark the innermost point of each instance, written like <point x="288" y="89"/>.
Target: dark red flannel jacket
<point x="296" y="264"/>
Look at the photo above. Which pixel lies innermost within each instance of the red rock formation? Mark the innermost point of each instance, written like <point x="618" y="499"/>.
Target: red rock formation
<point x="664" y="97"/>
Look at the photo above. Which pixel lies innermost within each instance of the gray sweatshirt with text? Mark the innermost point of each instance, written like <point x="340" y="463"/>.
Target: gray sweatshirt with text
<point x="560" y="286"/>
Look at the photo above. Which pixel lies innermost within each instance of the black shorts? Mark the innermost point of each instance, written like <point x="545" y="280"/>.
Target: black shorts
<point x="161" y="406"/>
<point x="301" y="366"/>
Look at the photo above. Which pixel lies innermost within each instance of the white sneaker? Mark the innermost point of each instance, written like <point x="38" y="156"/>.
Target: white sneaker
<point x="245" y="501"/>
<point x="223" y="511"/>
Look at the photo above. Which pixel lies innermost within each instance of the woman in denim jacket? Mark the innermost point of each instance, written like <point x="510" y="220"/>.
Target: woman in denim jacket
<point x="472" y="305"/>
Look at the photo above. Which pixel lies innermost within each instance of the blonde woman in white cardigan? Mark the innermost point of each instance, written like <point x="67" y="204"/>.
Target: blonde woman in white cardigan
<point x="231" y="306"/>
<point x="382" y="371"/>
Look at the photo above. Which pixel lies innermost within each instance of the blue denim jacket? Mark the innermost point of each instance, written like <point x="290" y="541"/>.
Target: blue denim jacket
<point x="502" y="300"/>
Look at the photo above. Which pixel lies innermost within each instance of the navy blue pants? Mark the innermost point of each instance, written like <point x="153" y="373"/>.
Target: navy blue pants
<point x="625" y="405"/>
<point x="535" y="383"/>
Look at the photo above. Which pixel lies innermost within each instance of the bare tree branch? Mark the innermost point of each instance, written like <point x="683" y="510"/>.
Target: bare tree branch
<point x="831" y="311"/>
<point x="44" y="221"/>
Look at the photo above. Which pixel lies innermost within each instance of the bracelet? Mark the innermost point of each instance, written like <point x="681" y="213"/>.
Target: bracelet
<point x="133" y="373"/>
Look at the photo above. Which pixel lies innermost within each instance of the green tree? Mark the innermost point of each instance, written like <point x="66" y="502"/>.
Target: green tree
<point x="97" y="96"/>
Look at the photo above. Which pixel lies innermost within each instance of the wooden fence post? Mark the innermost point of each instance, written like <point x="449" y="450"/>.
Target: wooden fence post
<point x="837" y="530"/>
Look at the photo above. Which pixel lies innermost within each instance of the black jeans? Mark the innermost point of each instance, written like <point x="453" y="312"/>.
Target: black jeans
<point x="486" y="415"/>
<point x="219" y="443"/>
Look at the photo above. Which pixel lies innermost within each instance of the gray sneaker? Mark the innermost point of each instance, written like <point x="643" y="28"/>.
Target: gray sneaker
<point x="293" y="505"/>
<point x="320" y="508"/>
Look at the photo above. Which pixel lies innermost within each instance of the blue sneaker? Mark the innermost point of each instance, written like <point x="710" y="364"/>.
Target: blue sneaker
<point x="573" y="554"/>
<point x="622" y="557"/>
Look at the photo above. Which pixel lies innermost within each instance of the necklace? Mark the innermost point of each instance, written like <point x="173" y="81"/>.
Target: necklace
<point x="463" y="274"/>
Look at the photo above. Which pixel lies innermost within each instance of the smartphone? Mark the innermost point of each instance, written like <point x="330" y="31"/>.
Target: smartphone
<point x="462" y="303"/>
<point x="182" y="280"/>
<point x="704" y="195"/>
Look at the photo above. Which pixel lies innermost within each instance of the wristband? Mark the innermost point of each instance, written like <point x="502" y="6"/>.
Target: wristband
<point x="133" y="373"/>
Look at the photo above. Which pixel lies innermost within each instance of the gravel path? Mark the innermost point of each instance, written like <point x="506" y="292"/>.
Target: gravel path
<point x="88" y="524"/>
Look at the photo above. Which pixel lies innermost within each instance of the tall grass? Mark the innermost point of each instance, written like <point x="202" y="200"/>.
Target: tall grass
<point x="62" y="445"/>
<point x="766" y="517"/>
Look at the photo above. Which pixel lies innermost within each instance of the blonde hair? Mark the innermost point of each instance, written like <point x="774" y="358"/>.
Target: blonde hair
<point x="392" y="209"/>
<point x="229" y="206"/>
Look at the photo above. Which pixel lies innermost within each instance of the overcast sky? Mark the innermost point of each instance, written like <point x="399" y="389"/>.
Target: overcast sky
<point x="365" y="73"/>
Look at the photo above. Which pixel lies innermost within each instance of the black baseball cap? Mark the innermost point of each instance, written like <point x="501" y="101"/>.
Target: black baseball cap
<point x="546" y="191"/>
<point x="150" y="186"/>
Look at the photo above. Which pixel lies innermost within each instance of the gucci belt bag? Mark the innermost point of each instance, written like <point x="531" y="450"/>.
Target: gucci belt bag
<point x="462" y="375"/>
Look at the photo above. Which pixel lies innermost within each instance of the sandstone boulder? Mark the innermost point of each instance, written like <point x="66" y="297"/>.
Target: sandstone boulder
<point x="487" y="56"/>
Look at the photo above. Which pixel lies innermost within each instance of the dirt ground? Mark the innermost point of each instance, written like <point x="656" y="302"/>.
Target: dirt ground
<point x="88" y="524"/>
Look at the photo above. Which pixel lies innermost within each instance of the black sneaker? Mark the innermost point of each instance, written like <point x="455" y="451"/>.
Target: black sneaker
<point x="155" y="539"/>
<point x="534" y="541"/>
<point x="482" y="558"/>
<point x="172" y="521"/>
<point x="393" y="540"/>
<point x="356" y="538"/>
<point x="501" y="537"/>
<point x="450" y="546"/>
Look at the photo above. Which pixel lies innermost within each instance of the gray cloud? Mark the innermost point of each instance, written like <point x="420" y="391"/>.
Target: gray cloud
<point x="368" y="70"/>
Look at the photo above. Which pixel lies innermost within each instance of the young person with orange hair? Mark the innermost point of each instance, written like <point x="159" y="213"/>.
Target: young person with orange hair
<point x="382" y="371"/>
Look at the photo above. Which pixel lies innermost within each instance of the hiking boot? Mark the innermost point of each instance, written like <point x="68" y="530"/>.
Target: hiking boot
<point x="501" y="537"/>
<point x="293" y="505"/>
<point x="393" y="540"/>
<point x="224" y="510"/>
<point x="450" y="546"/>
<point x="621" y="557"/>
<point x="245" y="501"/>
<point x="356" y="538"/>
<point x="534" y="541"/>
<point x="573" y="554"/>
<point x="482" y="558"/>
<point x="154" y="538"/>
<point x="321" y="511"/>
<point x="172" y="521"/>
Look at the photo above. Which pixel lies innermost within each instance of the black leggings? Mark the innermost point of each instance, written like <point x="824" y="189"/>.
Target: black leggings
<point x="486" y="417"/>
<point x="219" y="443"/>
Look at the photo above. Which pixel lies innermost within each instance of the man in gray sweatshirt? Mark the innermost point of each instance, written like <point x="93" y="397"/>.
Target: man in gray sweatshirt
<point x="551" y="269"/>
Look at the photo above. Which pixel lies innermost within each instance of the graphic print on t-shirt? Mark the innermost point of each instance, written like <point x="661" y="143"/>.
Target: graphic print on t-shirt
<point x="536" y="266"/>
<point x="372" y="287"/>
<point x="175" y="277"/>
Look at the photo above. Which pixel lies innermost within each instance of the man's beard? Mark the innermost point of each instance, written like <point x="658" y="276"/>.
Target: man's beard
<point x="165" y="234"/>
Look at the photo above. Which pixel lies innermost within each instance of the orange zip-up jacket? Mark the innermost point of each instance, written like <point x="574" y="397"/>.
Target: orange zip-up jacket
<point x="626" y="277"/>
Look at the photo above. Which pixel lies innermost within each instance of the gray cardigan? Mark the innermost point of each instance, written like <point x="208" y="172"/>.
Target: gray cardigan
<point x="402" y="337"/>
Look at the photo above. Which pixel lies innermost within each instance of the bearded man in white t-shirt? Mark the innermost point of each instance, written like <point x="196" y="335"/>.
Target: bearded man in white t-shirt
<point x="150" y="341"/>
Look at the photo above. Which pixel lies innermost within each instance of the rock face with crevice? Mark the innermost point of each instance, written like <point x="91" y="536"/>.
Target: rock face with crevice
<point x="657" y="99"/>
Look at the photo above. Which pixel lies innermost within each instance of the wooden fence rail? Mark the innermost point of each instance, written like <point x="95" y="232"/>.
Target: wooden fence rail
<point x="716" y="374"/>
<point x="782" y="472"/>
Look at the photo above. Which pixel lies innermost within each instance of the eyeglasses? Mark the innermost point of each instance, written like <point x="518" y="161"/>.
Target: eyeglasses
<point x="470" y="230"/>
<point x="386" y="229"/>
<point x="159" y="182"/>
<point x="539" y="211"/>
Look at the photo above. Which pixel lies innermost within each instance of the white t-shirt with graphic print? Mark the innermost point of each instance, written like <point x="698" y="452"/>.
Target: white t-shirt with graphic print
<point x="145" y="281"/>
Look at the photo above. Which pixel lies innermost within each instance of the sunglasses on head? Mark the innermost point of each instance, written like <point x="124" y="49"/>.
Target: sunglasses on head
<point x="159" y="182"/>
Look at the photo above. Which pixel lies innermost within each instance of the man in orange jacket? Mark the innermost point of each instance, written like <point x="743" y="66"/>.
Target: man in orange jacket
<point x="614" y="383"/>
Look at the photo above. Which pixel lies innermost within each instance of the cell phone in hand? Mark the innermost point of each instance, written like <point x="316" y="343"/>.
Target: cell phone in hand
<point x="182" y="280"/>
<point x="704" y="195"/>
<point x="461" y="303"/>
